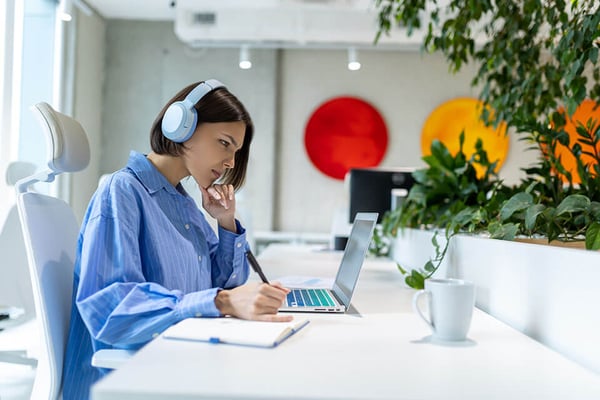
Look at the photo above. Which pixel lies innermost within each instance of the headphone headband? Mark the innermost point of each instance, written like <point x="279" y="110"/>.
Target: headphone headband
<point x="202" y="90"/>
<point x="180" y="120"/>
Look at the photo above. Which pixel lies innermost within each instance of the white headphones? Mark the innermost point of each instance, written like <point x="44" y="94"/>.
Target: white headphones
<point x="180" y="119"/>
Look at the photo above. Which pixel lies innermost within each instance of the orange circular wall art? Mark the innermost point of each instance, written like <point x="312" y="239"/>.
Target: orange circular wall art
<point x="586" y="110"/>
<point x="448" y="120"/>
<point x="344" y="133"/>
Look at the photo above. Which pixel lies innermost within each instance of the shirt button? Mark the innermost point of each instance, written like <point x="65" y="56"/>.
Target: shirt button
<point x="187" y="226"/>
<point x="199" y="258"/>
<point x="198" y="315"/>
<point x="238" y="245"/>
<point x="234" y="275"/>
<point x="154" y="335"/>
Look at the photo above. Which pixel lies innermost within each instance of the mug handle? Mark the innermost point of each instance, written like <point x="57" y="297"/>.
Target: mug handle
<point x="416" y="308"/>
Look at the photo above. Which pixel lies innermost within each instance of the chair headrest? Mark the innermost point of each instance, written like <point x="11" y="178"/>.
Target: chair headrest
<point x="67" y="146"/>
<point x="68" y="149"/>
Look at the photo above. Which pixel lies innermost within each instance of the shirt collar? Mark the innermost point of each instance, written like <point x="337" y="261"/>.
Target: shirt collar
<point x="149" y="176"/>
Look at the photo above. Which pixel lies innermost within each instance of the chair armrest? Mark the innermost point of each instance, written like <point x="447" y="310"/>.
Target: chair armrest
<point x="111" y="358"/>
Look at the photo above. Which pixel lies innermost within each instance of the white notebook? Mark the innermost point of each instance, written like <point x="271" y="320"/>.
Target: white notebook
<point x="234" y="331"/>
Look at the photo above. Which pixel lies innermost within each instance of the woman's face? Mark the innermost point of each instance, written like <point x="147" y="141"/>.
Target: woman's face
<point x="211" y="150"/>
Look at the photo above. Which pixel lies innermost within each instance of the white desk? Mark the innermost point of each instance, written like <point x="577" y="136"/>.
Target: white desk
<point x="383" y="353"/>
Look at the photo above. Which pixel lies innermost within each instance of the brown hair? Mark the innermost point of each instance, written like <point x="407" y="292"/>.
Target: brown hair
<point x="218" y="105"/>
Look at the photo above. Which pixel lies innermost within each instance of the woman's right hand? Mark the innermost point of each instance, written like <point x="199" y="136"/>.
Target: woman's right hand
<point x="219" y="202"/>
<point x="254" y="301"/>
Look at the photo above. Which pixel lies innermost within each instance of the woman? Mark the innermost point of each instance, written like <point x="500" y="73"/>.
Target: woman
<point x="147" y="258"/>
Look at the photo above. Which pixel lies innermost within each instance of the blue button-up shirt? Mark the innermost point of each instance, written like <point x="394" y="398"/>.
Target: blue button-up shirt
<point x="146" y="259"/>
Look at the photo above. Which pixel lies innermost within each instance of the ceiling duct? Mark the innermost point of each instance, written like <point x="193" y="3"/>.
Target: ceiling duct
<point x="284" y="24"/>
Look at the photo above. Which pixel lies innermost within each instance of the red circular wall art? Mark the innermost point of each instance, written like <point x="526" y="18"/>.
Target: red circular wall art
<point x="344" y="133"/>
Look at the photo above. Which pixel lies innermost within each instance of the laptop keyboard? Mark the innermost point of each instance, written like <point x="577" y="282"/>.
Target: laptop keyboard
<point x="309" y="297"/>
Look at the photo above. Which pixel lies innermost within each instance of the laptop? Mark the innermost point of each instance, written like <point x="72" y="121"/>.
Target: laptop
<point x="337" y="299"/>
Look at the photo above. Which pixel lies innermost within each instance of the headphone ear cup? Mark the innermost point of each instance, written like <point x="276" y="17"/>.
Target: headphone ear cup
<point x="179" y="122"/>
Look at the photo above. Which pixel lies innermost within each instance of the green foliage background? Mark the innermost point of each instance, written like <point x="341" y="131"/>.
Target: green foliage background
<point x="533" y="57"/>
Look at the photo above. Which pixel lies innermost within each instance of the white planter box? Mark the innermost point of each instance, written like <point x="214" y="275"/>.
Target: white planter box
<point x="552" y="294"/>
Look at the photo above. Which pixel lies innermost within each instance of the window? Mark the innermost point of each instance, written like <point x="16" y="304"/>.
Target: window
<point x="10" y="45"/>
<point x="27" y="32"/>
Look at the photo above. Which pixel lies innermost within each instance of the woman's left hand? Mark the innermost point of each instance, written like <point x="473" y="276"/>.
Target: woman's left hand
<point x="219" y="202"/>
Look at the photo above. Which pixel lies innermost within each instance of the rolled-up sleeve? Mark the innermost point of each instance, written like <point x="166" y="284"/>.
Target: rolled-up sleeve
<point x="116" y="302"/>
<point x="229" y="265"/>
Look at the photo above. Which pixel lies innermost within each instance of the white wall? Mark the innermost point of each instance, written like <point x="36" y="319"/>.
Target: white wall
<point x="145" y="65"/>
<point x="404" y="86"/>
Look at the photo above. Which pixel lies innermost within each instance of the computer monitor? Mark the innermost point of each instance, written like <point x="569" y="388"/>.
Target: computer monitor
<point x="372" y="189"/>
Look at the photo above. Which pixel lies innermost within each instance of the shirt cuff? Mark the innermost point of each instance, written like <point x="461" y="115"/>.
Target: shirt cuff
<point x="234" y="241"/>
<point x="239" y="231"/>
<point x="199" y="304"/>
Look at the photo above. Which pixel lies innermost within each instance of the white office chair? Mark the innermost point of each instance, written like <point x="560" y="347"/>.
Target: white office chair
<point x="50" y="230"/>
<point x="15" y="283"/>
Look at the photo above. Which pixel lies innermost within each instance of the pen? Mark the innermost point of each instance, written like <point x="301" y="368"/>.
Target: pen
<point x="255" y="266"/>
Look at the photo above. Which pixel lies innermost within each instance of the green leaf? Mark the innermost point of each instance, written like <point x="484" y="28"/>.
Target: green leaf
<point x="518" y="202"/>
<point x="595" y="210"/>
<point x="531" y="215"/>
<point x="504" y="231"/>
<point x="429" y="267"/>
<point x="402" y="270"/>
<point x="592" y="237"/>
<point x="434" y="241"/>
<point x="415" y="280"/>
<point x="465" y="216"/>
<point x="573" y="203"/>
<point x="440" y="153"/>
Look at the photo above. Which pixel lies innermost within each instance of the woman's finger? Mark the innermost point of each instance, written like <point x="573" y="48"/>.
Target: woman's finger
<point x="273" y="292"/>
<point x="227" y="191"/>
<point x="216" y="191"/>
<point x="279" y="286"/>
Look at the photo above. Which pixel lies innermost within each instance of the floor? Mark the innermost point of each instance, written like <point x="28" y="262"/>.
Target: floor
<point x="16" y="381"/>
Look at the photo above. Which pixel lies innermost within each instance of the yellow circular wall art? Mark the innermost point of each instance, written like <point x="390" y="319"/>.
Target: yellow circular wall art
<point x="448" y="120"/>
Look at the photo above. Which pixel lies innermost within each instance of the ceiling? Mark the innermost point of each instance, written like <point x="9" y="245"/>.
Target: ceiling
<point x="166" y="9"/>
<point x="134" y="9"/>
<point x="259" y="23"/>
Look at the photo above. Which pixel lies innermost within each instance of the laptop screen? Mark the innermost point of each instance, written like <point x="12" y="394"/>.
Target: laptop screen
<point x="354" y="255"/>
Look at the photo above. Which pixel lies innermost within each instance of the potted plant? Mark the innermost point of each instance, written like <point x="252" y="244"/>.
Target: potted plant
<point x="538" y="61"/>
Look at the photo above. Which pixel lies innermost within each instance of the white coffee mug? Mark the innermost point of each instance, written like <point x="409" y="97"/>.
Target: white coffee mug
<point x="451" y="303"/>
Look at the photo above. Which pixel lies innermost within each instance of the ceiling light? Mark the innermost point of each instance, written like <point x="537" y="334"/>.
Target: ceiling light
<point x="353" y="63"/>
<point x="245" y="62"/>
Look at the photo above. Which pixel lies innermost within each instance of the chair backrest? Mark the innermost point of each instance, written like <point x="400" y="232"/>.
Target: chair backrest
<point x="50" y="231"/>
<point x="15" y="281"/>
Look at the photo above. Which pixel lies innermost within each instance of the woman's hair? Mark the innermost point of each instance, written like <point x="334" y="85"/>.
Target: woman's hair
<point x="218" y="105"/>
